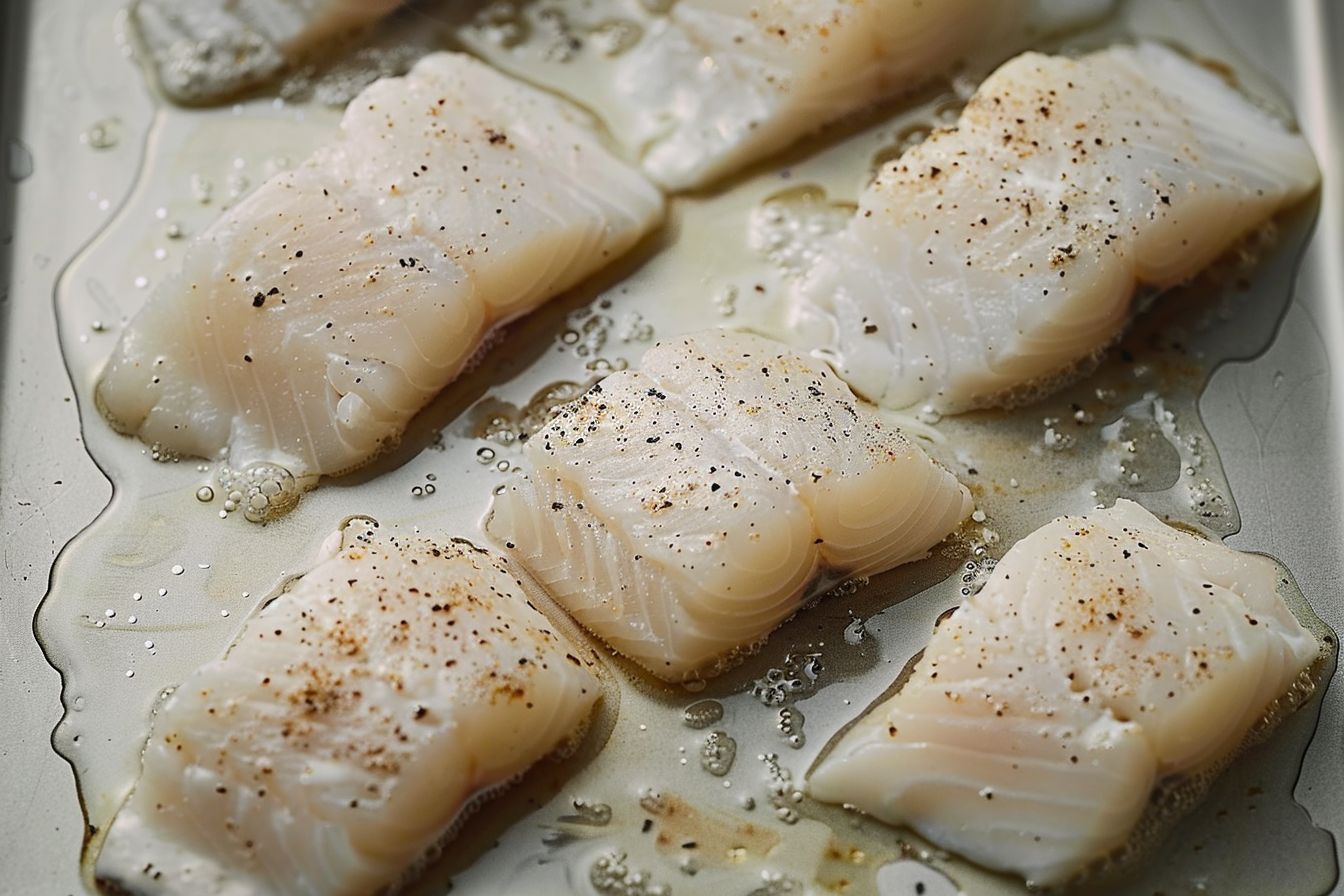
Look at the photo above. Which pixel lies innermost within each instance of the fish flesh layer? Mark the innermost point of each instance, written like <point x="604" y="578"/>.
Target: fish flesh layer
<point x="206" y="50"/>
<point x="713" y="85"/>
<point x="317" y="316"/>
<point x="682" y="511"/>
<point x="1106" y="653"/>
<point x="1002" y="253"/>
<point x="348" y="726"/>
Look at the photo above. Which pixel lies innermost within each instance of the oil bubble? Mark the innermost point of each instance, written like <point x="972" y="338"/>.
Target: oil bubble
<point x="103" y="134"/>
<point x="702" y="713"/>
<point x="265" y="492"/>
<point x="856" y="631"/>
<point x="790" y="228"/>
<point x="614" y="36"/>
<point x="546" y="403"/>
<point x="717" y="753"/>
<point x="586" y="813"/>
<point x="790" y="727"/>
<point x="611" y="876"/>
<point x="773" y="884"/>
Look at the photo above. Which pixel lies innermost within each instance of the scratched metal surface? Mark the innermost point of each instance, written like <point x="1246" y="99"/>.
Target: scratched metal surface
<point x="1277" y="421"/>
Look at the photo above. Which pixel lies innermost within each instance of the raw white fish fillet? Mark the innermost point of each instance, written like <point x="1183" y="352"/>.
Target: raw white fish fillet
<point x="999" y="255"/>
<point x="349" y="725"/>
<point x="317" y="316"/>
<point x="1105" y="653"/>
<point x="713" y="85"/>
<point x="204" y="50"/>
<point x="681" y="512"/>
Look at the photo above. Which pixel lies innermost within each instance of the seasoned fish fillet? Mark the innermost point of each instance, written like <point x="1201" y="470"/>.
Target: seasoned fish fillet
<point x="204" y="50"/>
<point x="683" y="511"/>
<point x="1000" y="254"/>
<point x="1106" y="652"/>
<point x="716" y="84"/>
<point x="317" y="316"/>
<point x="349" y="725"/>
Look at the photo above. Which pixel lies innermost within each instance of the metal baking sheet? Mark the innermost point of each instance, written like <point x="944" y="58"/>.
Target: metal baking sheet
<point x="75" y="128"/>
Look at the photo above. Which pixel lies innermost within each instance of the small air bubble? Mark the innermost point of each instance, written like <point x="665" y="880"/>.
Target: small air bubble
<point x="104" y="134"/>
<point x="178" y="569"/>
<point x="205" y="494"/>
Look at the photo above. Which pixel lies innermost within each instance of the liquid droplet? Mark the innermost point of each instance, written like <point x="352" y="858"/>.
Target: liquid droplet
<point x="586" y="813"/>
<point x="103" y="134"/>
<point x="703" y="713"/>
<point x="265" y="492"/>
<point x="718" y="753"/>
<point x="19" y="162"/>
<point x="790" y="727"/>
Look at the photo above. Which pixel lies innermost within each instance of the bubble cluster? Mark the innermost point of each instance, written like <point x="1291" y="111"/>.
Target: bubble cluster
<point x="611" y="876"/>
<point x="790" y="228"/>
<point x="718" y="753"/>
<point x="974" y="575"/>
<point x="798" y="675"/>
<point x="591" y="814"/>
<point x="774" y="884"/>
<point x="784" y="795"/>
<point x="162" y="454"/>
<point x="587" y="332"/>
<point x="790" y="726"/>
<point x="702" y="713"/>
<point x="263" y="492"/>
<point x="615" y="36"/>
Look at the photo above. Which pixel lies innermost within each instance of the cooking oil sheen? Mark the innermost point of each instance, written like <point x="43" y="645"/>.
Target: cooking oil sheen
<point x="695" y="790"/>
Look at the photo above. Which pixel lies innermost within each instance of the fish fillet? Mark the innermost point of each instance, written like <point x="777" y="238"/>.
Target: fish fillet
<point x="713" y="85"/>
<point x="317" y="316"/>
<point x="683" y="511"/>
<point x="1000" y="254"/>
<point x="205" y="50"/>
<point x="1106" y="652"/>
<point x="350" y="724"/>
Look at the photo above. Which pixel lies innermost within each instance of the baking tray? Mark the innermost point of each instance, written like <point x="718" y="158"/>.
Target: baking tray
<point x="77" y="122"/>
